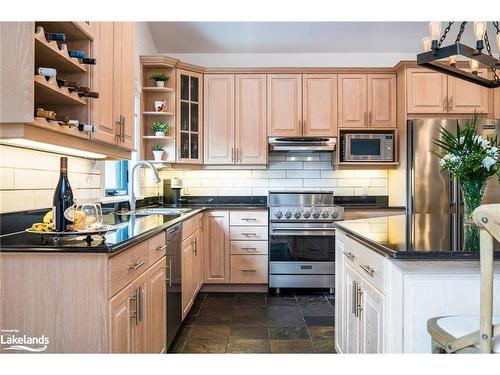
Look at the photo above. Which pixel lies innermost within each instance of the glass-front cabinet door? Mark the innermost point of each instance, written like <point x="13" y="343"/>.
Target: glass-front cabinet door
<point x="189" y="123"/>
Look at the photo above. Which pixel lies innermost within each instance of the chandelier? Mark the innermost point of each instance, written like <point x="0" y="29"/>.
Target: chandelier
<point x="434" y="53"/>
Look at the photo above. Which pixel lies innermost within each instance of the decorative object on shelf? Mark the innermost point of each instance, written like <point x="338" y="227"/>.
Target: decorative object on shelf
<point x="160" y="79"/>
<point x="47" y="72"/>
<point x="160" y="128"/>
<point x="160" y="105"/>
<point x="473" y="160"/>
<point x="158" y="152"/>
<point x="433" y="52"/>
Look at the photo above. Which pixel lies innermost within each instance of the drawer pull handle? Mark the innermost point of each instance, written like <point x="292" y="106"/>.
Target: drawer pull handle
<point x="349" y="255"/>
<point x="249" y="234"/>
<point x="369" y="270"/>
<point x="248" y="270"/>
<point x="249" y="248"/>
<point x="160" y="248"/>
<point x="249" y="218"/>
<point x="136" y="266"/>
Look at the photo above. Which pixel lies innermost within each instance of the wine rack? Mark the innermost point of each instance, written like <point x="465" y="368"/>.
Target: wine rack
<point x="48" y="92"/>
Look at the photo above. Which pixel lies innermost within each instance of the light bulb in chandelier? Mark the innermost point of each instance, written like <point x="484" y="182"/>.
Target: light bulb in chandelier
<point x="434" y="31"/>
<point x="453" y="60"/>
<point x="479" y="30"/>
<point x="498" y="44"/>
<point x="474" y="65"/>
<point x="426" y="44"/>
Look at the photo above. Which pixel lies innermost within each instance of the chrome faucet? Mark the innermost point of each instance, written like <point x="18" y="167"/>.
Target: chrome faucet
<point x="132" y="173"/>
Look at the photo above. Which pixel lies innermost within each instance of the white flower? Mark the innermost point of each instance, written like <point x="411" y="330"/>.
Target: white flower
<point x="485" y="144"/>
<point x="488" y="162"/>
<point x="462" y="139"/>
<point x="477" y="139"/>
<point x="442" y="162"/>
<point x="494" y="149"/>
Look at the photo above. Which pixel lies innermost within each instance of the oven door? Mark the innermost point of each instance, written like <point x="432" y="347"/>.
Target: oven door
<point x="364" y="147"/>
<point x="288" y="243"/>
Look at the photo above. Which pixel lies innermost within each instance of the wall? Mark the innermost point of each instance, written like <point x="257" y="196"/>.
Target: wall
<point x="28" y="178"/>
<point x="286" y="171"/>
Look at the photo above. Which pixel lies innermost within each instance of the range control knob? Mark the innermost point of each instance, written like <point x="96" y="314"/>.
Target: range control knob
<point x="306" y="214"/>
<point x="325" y="214"/>
<point x="278" y="214"/>
<point x="316" y="214"/>
<point x="288" y="214"/>
<point x="297" y="214"/>
<point x="335" y="214"/>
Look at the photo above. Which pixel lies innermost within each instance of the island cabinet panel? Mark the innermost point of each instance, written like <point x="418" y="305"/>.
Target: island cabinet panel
<point x="121" y="320"/>
<point x="351" y="320"/>
<point x="284" y="105"/>
<point x="251" y="119"/>
<point x="157" y="308"/>
<point x="372" y="319"/>
<point x="320" y="105"/>
<point x="216" y="254"/>
<point x="219" y="119"/>
<point x="353" y="104"/>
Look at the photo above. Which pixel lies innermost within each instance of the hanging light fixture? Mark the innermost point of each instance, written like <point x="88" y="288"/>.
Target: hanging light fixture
<point x="434" y="52"/>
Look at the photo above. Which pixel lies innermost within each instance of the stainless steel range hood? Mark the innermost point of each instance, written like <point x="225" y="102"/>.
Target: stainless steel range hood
<point x="302" y="144"/>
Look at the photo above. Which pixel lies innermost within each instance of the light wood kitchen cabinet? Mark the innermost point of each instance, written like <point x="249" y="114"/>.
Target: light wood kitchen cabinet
<point x="120" y="321"/>
<point x="367" y="100"/>
<point x="113" y="78"/>
<point x="200" y="248"/>
<point x="157" y="308"/>
<point x="216" y="254"/>
<point x="432" y="92"/>
<point x="319" y="105"/>
<point x="188" y="270"/>
<point x="140" y="322"/>
<point x="381" y="100"/>
<point x="284" y="105"/>
<point x="496" y="103"/>
<point x="251" y="129"/>
<point x="219" y="119"/>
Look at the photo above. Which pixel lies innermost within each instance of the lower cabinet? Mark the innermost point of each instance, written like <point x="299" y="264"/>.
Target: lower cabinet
<point x="216" y="256"/>
<point x="191" y="270"/>
<point x="157" y="308"/>
<point x="120" y="317"/>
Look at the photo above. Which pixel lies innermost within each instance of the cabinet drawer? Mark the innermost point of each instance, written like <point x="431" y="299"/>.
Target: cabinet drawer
<point x="191" y="225"/>
<point x="125" y="267"/>
<point x="350" y="252"/>
<point x="157" y="247"/>
<point x="248" y="233"/>
<point x="248" y="217"/>
<point x="249" y="269"/>
<point x="249" y="247"/>
<point x="370" y="265"/>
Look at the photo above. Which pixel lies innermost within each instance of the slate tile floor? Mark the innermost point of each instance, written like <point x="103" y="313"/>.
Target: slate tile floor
<point x="297" y="322"/>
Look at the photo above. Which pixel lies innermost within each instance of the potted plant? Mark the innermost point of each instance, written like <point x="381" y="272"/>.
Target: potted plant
<point x="158" y="152"/>
<point x="473" y="160"/>
<point x="160" y="79"/>
<point x="160" y="128"/>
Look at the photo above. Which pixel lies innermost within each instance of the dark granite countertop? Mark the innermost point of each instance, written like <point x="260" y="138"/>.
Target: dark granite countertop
<point x="417" y="236"/>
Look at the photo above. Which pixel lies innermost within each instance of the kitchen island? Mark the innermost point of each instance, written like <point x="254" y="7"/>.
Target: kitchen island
<point x="394" y="273"/>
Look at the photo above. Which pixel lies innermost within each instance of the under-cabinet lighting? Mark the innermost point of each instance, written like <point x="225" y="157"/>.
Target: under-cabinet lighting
<point x="35" y="145"/>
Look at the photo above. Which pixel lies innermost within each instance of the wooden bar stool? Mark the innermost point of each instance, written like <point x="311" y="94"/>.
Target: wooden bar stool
<point x="460" y="334"/>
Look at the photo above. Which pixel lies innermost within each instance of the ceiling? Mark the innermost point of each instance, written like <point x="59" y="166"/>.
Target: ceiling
<point x="294" y="37"/>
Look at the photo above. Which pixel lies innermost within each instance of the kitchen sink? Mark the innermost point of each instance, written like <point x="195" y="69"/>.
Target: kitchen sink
<point x="155" y="211"/>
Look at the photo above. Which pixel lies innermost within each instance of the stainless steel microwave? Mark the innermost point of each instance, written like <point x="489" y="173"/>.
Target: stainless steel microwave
<point x="367" y="147"/>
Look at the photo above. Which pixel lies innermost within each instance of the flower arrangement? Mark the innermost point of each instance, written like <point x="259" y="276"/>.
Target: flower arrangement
<point x="160" y="127"/>
<point x="473" y="160"/>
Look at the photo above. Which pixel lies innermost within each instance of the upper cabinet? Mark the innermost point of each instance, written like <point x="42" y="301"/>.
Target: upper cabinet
<point x="367" y="100"/>
<point x="189" y="123"/>
<point x="114" y="79"/>
<point x="432" y="92"/>
<point x="284" y="105"/>
<point x="319" y="104"/>
<point x="235" y="119"/>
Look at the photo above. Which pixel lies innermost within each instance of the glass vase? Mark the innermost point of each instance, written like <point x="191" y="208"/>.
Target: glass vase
<point x="472" y="191"/>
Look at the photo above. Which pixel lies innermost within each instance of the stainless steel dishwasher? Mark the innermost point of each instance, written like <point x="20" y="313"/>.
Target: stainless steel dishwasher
<point x="174" y="281"/>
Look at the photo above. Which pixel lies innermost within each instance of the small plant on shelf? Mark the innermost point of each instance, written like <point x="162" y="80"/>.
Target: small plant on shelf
<point x="160" y="79"/>
<point x="160" y="128"/>
<point x="158" y="152"/>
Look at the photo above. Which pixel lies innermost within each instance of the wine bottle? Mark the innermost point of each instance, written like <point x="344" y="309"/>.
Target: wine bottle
<point x="60" y="37"/>
<point x="86" y="128"/>
<point x="49" y="115"/>
<point x="88" y="60"/>
<point x="88" y="94"/>
<point x="47" y="72"/>
<point x="63" y="198"/>
<point x="77" y="54"/>
<point x="66" y="121"/>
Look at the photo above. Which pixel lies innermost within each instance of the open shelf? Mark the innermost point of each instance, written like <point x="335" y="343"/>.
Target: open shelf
<point x="48" y="54"/>
<point x="48" y="92"/>
<point x="159" y="89"/>
<point x="54" y="126"/>
<point x="154" y="113"/>
<point x="166" y="137"/>
<point x="74" y="30"/>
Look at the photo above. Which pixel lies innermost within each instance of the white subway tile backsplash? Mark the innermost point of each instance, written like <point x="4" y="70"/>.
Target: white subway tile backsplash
<point x="287" y="165"/>
<point x="16" y="200"/>
<point x="269" y="173"/>
<point x="282" y="183"/>
<point x="43" y="198"/>
<point x="302" y="174"/>
<point x="15" y="157"/>
<point x="277" y="156"/>
<point x="234" y="174"/>
<point x="217" y="182"/>
<point x="302" y="156"/>
<point x="378" y="191"/>
<point x="202" y="191"/>
<point x="341" y="191"/>
<point x="325" y="156"/>
<point x="6" y="178"/>
<point x="191" y="182"/>
<point x="320" y="182"/>
<point x="33" y="179"/>
<point x="251" y="182"/>
<point x="317" y="165"/>
<point x="260" y="191"/>
<point x="379" y="182"/>
<point x="371" y="173"/>
<point x="235" y="191"/>
<point x="353" y="182"/>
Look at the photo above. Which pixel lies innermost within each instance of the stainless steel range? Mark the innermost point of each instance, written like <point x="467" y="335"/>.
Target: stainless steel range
<point x="302" y="239"/>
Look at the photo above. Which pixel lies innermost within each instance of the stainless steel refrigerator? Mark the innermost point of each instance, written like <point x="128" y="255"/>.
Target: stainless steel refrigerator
<point x="429" y="190"/>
